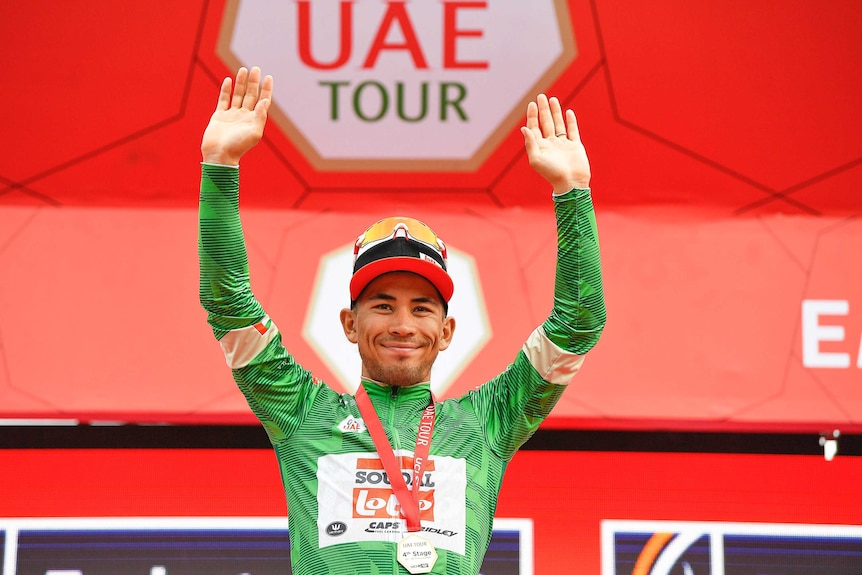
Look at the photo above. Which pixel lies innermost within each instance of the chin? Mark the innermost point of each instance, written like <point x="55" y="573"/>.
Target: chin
<point x="400" y="376"/>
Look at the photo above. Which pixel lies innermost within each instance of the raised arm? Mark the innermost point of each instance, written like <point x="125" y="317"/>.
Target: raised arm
<point x="234" y="128"/>
<point x="555" y="151"/>
<point x="514" y="404"/>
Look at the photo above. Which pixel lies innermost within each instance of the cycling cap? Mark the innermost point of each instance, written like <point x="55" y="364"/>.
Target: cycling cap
<point x="400" y="244"/>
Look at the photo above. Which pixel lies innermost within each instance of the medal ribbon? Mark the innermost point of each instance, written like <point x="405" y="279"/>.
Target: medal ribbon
<point x="407" y="499"/>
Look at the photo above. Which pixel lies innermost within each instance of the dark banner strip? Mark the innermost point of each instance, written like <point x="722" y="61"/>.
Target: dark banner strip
<point x="253" y="437"/>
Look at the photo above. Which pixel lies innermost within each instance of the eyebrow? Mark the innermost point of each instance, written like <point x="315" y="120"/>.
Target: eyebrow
<point x="388" y="297"/>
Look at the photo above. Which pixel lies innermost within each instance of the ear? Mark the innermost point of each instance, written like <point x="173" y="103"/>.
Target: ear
<point x="348" y="324"/>
<point x="446" y="333"/>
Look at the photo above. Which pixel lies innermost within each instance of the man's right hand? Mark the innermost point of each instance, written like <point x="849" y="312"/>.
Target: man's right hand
<point x="553" y="144"/>
<point x="237" y="124"/>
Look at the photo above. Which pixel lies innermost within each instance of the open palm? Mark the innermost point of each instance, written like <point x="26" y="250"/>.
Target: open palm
<point x="553" y="145"/>
<point x="237" y="124"/>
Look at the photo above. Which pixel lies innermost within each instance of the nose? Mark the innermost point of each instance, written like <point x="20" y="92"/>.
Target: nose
<point x="402" y="323"/>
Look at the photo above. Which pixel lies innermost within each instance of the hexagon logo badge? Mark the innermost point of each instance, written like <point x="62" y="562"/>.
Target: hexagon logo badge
<point x="322" y="328"/>
<point x="368" y="85"/>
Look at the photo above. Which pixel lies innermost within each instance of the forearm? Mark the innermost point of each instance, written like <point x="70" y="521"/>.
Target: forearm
<point x="578" y="316"/>
<point x="225" y="291"/>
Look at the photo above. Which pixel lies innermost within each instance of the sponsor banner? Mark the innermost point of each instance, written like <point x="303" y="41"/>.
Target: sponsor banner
<point x="565" y="504"/>
<point x="692" y="548"/>
<point x="192" y="545"/>
<point x="357" y="503"/>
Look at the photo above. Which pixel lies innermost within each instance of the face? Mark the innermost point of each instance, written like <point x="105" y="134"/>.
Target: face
<point x="399" y="325"/>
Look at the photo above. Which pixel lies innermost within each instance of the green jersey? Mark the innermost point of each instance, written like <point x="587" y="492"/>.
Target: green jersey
<point x="343" y="515"/>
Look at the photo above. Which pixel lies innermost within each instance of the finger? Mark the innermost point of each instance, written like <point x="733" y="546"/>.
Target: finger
<point x="239" y="89"/>
<point x="557" y="115"/>
<point x="252" y="91"/>
<point x="533" y="117"/>
<point x="266" y="89"/>
<point x="224" y="94"/>
<point x="546" y="121"/>
<point x="572" y="126"/>
<point x="261" y="109"/>
<point x="530" y="143"/>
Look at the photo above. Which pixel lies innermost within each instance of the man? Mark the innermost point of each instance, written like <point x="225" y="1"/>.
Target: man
<point x="390" y="480"/>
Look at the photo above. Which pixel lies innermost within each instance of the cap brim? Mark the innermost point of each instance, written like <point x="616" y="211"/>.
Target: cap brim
<point x="431" y="272"/>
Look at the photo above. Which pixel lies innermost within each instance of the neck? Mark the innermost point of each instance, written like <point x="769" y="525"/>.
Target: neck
<point x="384" y="384"/>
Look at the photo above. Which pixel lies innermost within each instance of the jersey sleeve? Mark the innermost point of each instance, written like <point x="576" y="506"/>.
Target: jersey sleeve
<point x="514" y="404"/>
<point x="578" y="316"/>
<point x="275" y="386"/>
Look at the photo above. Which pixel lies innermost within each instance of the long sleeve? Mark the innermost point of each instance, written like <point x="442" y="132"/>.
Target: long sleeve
<point x="514" y="404"/>
<point x="278" y="389"/>
<point x="578" y="316"/>
<point x="225" y="291"/>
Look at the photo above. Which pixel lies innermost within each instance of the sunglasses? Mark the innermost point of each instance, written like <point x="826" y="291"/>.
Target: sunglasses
<point x="394" y="227"/>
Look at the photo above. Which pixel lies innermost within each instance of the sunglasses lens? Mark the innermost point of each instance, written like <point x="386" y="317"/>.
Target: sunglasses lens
<point x="387" y="228"/>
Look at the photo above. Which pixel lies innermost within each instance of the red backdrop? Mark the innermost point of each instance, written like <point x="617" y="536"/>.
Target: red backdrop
<point x="724" y="143"/>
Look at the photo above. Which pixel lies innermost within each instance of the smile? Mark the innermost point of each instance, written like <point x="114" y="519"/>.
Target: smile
<point x="400" y="347"/>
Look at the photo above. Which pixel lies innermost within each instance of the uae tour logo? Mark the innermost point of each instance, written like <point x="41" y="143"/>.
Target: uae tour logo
<point x="394" y="85"/>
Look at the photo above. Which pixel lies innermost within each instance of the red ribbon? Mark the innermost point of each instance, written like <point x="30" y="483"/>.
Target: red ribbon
<point x="407" y="499"/>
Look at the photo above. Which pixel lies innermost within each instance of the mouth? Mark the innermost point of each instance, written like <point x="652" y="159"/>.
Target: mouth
<point x="400" y="347"/>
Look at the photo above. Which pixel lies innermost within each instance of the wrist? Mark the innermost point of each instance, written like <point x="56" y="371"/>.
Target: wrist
<point x="562" y="188"/>
<point x="219" y="158"/>
<point x="214" y="165"/>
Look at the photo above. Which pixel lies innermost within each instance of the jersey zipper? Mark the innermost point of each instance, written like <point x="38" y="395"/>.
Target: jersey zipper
<point x="390" y="420"/>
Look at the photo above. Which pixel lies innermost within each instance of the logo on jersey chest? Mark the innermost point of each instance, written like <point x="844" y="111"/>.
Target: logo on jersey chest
<point x="356" y="501"/>
<point x="351" y="425"/>
<point x="373" y="495"/>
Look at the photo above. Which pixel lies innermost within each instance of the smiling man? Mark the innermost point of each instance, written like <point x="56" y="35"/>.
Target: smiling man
<point x="389" y="480"/>
<point x="398" y="308"/>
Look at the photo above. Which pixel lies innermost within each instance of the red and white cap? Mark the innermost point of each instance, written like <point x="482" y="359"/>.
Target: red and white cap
<point x="400" y="244"/>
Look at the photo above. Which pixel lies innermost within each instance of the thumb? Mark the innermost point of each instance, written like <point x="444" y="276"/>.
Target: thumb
<point x="530" y="143"/>
<point x="261" y="109"/>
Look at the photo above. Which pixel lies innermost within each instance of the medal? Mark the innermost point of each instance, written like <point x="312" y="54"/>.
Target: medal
<point x="416" y="554"/>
